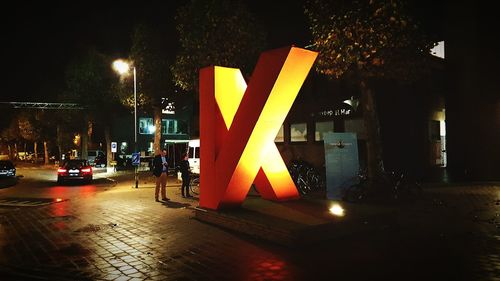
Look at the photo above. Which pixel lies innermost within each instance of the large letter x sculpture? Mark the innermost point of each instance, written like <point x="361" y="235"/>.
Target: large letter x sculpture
<point x="238" y="125"/>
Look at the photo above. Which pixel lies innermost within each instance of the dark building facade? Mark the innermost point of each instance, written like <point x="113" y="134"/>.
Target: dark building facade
<point x="473" y="91"/>
<point x="176" y="130"/>
<point x="411" y="119"/>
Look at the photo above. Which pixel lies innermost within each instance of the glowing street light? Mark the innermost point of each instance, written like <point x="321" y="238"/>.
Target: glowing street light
<point x="123" y="68"/>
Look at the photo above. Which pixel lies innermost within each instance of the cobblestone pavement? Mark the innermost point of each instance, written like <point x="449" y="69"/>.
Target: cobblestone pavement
<point x="123" y="234"/>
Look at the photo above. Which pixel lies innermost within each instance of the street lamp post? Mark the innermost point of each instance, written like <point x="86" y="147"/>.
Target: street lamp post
<point x="135" y="127"/>
<point x="122" y="68"/>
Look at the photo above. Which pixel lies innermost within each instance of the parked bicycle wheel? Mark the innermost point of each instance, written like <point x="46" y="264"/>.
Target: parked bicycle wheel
<point x="354" y="189"/>
<point x="194" y="185"/>
<point x="302" y="185"/>
<point x="305" y="177"/>
<point x="408" y="189"/>
<point x="354" y="193"/>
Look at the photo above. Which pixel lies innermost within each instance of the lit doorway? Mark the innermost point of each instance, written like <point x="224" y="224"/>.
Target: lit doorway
<point x="437" y="138"/>
<point x="442" y="134"/>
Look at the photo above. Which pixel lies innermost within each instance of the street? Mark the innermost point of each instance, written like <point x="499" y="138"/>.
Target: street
<point x="109" y="230"/>
<point x="39" y="182"/>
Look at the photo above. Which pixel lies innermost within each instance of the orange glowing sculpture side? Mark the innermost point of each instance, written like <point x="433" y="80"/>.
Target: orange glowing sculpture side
<point x="238" y="125"/>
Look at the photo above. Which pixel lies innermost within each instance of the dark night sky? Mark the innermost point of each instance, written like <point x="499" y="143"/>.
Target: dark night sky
<point x="40" y="39"/>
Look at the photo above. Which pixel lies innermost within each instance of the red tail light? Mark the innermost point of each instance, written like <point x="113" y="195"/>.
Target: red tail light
<point x="87" y="170"/>
<point x="61" y="170"/>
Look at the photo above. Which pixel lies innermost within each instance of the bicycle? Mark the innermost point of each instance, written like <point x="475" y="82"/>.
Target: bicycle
<point x="357" y="191"/>
<point x="305" y="177"/>
<point x="387" y="187"/>
<point x="408" y="189"/>
<point x="194" y="184"/>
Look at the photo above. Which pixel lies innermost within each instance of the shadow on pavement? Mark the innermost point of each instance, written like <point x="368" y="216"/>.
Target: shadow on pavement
<point x="176" y="205"/>
<point x="79" y="183"/>
<point x="51" y="183"/>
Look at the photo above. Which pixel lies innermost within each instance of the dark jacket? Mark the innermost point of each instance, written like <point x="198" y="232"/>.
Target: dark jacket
<point x="158" y="165"/>
<point x="184" y="168"/>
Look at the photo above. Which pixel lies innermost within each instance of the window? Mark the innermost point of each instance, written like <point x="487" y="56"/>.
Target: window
<point x="322" y="128"/>
<point x="173" y="127"/>
<point x="280" y="137"/>
<point x="298" y="132"/>
<point x="168" y="126"/>
<point x="146" y="126"/>
<point x="193" y="152"/>
<point x="438" y="50"/>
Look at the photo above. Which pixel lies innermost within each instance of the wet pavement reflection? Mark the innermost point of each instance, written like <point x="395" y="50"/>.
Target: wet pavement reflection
<point x="123" y="234"/>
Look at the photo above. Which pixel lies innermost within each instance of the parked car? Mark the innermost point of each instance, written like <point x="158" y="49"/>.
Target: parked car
<point x="7" y="168"/>
<point x="93" y="154"/>
<point x="123" y="162"/>
<point x="194" y="155"/>
<point x="75" y="169"/>
<point x="40" y="158"/>
<point x="100" y="161"/>
<point x="22" y="155"/>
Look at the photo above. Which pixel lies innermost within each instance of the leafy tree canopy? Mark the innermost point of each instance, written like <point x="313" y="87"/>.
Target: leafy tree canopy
<point x="11" y="133"/>
<point x="215" y="32"/>
<point x="27" y="128"/>
<point x="367" y="37"/>
<point x="149" y="56"/>
<point x="89" y="81"/>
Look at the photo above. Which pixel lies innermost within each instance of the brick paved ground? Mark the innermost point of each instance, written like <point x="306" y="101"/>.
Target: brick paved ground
<point x="122" y="234"/>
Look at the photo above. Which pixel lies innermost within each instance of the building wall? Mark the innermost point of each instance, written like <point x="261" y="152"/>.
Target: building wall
<point x="317" y="101"/>
<point x="473" y="91"/>
<point x="405" y="112"/>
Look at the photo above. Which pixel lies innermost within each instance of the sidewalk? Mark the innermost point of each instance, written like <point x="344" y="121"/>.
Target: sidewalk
<point x="123" y="234"/>
<point x="298" y="223"/>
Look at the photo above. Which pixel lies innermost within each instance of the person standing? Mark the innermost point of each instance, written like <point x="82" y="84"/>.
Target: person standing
<point x="185" y="174"/>
<point x="160" y="169"/>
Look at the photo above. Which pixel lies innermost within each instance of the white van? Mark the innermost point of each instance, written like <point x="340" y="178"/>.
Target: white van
<point x="194" y="155"/>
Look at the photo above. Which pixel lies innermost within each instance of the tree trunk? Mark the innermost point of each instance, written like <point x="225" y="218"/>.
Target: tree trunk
<point x="16" y="154"/>
<point x="85" y="138"/>
<point x="107" y="137"/>
<point x="35" y="148"/>
<point x="11" y="157"/>
<point x="90" y="132"/>
<point x="373" y="142"/>
<point x="157" y="120"/>
<point x="84" y="146"/>
<point x="59" y="141"/>
<point x="45" y="153"/>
